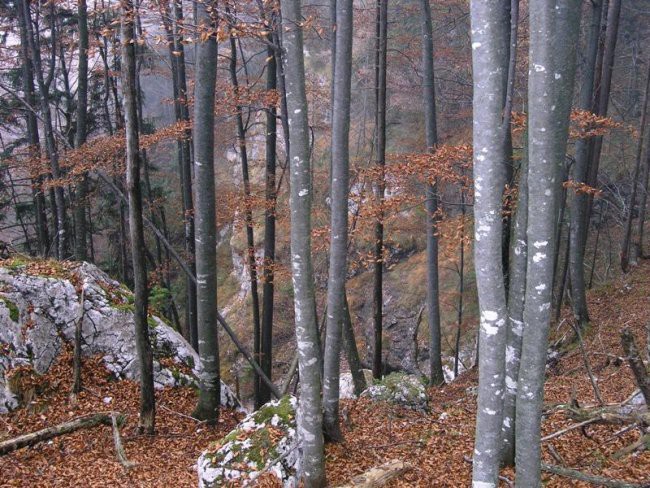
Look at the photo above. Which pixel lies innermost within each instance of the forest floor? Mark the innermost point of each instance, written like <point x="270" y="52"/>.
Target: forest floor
<point x="437" y="445"/>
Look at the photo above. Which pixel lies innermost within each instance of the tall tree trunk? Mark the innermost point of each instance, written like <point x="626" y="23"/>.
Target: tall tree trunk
<point x="638" y="244"/>
<point x="248" y="217"/>
<point x="578" y="202"/>
<point x="205" y="218"/>
<point x="340" y="176"/>
<point x="436" y="376"/>
<point x="380" y="161"/>
<point x="146" y="421"/>
<point x="516" y="297"/>
<point x="185" y="162"/>
<point x="554" y="35"/>
<point x="490" y="48"/>
<point x="351" y="351"/>
<point x="33" y="137"/>
<point x="625" y="247"/>
<point x="310" y="415"/>
<point x="80" y="244"/>
<point x="33" y="41"/>
<point x="266" y="345"/>
<point x="609" y="56"/>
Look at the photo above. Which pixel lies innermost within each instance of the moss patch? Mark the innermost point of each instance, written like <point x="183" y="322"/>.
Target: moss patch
<point x="14" y="313"/>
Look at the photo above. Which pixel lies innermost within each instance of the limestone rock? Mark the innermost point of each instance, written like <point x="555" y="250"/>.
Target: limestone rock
<point x="265" y="441"/>
<point x="38" y="315"/>
<point x="401" y="389"/>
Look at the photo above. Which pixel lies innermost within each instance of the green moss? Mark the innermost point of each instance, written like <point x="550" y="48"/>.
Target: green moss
<point x="14" y="313"/>
<point x="124" y="307"/>
<point x="15" y="263"/>
<point x="256" y="446"/>
<point x="283" y="409"/>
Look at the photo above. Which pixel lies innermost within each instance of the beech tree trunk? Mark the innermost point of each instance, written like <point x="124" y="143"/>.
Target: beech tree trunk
<point x="310" y="416"/>
<point x="578" y="201"/>
<point x="436" y="376"/>
<point x="627" y="237"/>
<point x="80" y="244"/>
<point x="554" y="35"/>
<point x="490" y="49"/>
<point x="516" y="299"/>
<point x="33" y="40"/>
<point x="248" y="219"/>
<point x="40" y="203"/>
<point x="266" y="345"/>
<point x="380" y="161"/>
<point x="146" y="421"/>
<point x="338" y="269"/>
<point x="205" y="217"/>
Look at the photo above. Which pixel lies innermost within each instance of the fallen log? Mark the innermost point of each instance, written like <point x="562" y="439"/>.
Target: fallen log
<point x="379" y="475"/>
<point x="85" y="422"/>
<point x="590" y="478"/>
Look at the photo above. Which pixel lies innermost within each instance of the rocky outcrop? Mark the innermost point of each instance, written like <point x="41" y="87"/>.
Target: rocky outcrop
<point x="40" y="305"/>
<point x="400" y="389"/>
<point x="264" y="442"/>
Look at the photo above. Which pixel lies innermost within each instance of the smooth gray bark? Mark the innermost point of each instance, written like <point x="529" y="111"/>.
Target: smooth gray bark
<point x="578" y="201"/>
<point x="554" y="34"/>
<point x="48" y="125"/>
<point x="436" y="377"/>
<point x="205" y="218"/>
<point x="338" y="269"/>
<point x="33" y="136"/>
<point x="380" y="161"/>
<point x="146" y="421"/>
<point x="627" y="237"/>
<point x="268" y="271"/>
<point x="80" y="246"/>
<point x="638" y="243"/>
<point x="310" y="415"/>
<point x="490" y="49"/>
<point x="516" y="299"/>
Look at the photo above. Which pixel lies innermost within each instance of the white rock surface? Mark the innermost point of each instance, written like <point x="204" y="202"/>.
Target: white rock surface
<point x="346" y="385"/>
<point x="48" y="309"/>
<point x="401" y="389"/>
<point x="265" y="441"/>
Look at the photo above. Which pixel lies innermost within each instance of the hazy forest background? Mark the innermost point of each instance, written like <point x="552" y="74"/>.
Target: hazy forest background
<point x="421" y="220"/>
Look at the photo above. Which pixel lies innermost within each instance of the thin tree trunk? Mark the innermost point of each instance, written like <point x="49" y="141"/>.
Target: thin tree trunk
<point x="33" y="137"/>
<point x="609" y="52"/>
<point x="554" y="35"/>
<point x="461" y="283"/>
<point x="578" y="202"/>
<point x="436" y="376"/>
<point x="340" y="176"/>
<point x="185" y="164"/>
<point x="34" y="47"/>
<point x="205" y="218"/>
<point x="146" y="421"/>
<point x="351" y="351"/>
<point x="516" y="299"/>
<point x="248" y="218"/>
<point x="380" y="161"/>
<point x="266" y="347"/>
<point x="310" y="417"/>
<point x="81" y="133"/>
<point x="638" y="244"/>
<point x="625" y="247"/>
<point x="490" y="48"/>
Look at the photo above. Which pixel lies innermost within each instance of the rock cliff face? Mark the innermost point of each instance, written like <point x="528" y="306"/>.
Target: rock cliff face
<point x="40" y="305"/>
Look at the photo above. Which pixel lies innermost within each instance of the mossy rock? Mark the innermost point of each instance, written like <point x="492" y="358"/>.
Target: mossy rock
<point x="400" y="389"/>
<point x="14" y="313"/>
<point x="263" y="441"/>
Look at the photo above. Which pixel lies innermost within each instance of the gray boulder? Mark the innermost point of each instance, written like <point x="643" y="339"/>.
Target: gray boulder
<point x="38" y="315"/>
<point x="400" y="389"/>
<point x="264" y="442"/>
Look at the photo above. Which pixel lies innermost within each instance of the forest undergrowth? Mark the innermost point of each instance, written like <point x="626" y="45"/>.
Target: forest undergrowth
<point x="438" y="445"/>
